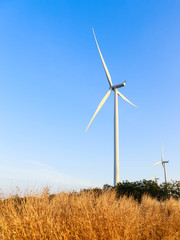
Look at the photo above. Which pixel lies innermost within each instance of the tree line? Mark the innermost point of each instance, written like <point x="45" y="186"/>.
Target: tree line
<point x="138" y="188"/>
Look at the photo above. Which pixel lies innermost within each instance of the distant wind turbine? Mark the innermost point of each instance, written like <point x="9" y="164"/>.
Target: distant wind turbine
<point x="116" y="124"/>
<point x="163" y="165"/>
<point x="155" y="179"/>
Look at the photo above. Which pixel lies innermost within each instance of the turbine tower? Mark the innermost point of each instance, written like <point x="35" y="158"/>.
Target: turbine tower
<point x="116" y="122"/>
<point x="163" y="165"/>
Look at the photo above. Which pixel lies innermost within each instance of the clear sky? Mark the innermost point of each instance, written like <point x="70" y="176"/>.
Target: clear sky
<point x="52" y="80"/>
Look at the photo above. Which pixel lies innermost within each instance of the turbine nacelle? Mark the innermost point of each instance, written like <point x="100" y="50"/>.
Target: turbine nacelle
<point x="118" y="85"/>
<point x="165" y="162"/>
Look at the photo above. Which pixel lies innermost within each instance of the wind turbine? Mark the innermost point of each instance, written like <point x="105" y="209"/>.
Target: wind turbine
<point x="155" y="179"/>
<point x="163" y="165"/>
<point x="116" y="124"/>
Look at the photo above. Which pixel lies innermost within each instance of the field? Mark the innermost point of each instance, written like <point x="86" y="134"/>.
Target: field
<point x="87" y="216"/>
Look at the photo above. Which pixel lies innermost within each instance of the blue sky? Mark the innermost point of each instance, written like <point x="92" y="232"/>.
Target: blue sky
<point x="52" y="80"/>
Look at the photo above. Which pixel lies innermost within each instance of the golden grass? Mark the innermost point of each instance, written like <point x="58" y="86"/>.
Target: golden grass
<point x="88" y="217"/>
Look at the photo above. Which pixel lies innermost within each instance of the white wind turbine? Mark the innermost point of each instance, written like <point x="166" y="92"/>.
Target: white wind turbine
<point x="116" y="124"/>
<point x="163" y="165"/>
<point x="155" y="179"/>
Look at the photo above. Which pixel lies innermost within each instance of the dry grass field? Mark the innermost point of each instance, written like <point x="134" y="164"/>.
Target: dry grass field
<point x="88" y="217"/>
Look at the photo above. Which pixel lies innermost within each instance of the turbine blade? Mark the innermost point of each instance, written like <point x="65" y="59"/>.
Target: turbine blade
<point x="157" y="163"/>
<point x="99" y="107"/>
<point x="162" y="154"/>
<point x="103" y="62"/>
<point x="120" y="94"/>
